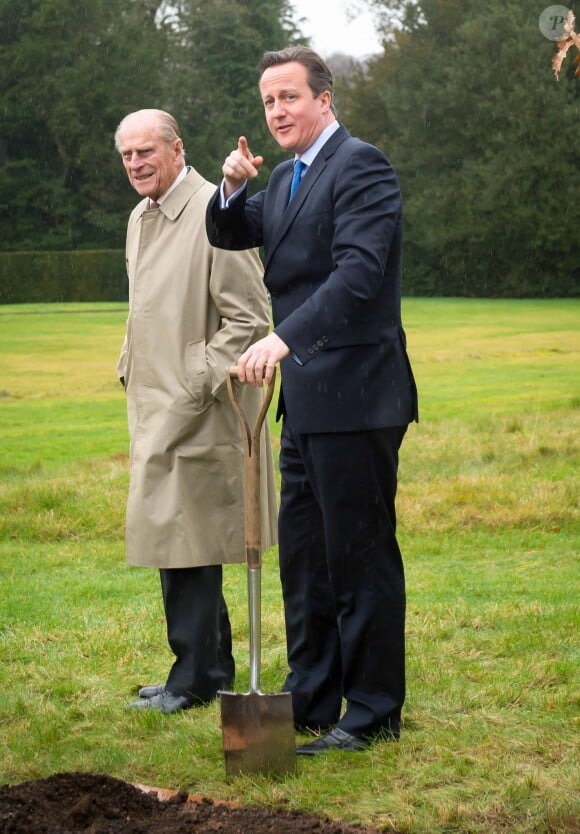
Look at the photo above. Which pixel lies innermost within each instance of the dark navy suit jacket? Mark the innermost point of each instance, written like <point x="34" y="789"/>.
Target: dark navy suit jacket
<point x="333" y="270"/>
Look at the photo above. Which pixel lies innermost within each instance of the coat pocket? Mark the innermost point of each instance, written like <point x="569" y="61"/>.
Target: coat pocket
<point x="197" y="373"/>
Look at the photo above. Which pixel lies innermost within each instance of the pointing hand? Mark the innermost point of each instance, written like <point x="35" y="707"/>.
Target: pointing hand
<point x="240" y="165"/>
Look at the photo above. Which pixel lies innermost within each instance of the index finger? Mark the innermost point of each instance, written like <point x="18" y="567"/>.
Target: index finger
<point x="243" y="147"/>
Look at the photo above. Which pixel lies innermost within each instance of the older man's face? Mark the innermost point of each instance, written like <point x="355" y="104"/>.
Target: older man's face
<point x="151" y="163"/>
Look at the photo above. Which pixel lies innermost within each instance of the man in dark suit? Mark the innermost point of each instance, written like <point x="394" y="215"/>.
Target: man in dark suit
<point x="330" y="224"/>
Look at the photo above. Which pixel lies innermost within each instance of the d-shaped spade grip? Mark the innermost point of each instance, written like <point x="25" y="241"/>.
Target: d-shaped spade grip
<point x="251" y="439"/>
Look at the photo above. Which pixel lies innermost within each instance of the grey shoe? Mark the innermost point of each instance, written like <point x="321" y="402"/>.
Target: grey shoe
<point x="337" y="739"/>
<point x="165" y="702"/>
<point x="151" y="691"/>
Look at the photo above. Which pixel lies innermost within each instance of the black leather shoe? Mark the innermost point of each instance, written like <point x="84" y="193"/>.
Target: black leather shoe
<point x="337" y="739"/>
<point x="165" y="702"/>
<point x="151" y="691"/>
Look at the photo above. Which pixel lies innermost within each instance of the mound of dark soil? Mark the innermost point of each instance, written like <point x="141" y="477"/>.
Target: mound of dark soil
<point x="83" y="803"/>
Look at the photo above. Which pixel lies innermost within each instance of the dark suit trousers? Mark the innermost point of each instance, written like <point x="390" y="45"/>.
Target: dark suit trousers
<point x="342" y="578"/>
<point x="198" y="632"/>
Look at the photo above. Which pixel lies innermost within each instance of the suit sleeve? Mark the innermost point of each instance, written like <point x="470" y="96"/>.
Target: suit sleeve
<point x="237" y="227"/>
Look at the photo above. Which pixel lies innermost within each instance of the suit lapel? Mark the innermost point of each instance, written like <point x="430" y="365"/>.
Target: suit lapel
<point x="280" y="191"/>
<point x="285" y="212"/>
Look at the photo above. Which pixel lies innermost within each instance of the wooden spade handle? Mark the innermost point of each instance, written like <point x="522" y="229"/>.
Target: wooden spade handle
<point x="251" y="438"/>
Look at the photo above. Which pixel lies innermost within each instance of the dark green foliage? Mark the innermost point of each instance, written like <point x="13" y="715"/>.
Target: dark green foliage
<point x="29" y="277"/>
<point x="462" y="100"/>
<point x="71" y="69"/>
<point x="69" y="72"/>
<point x="485" y="141"/>
<point x="215" y="78"/>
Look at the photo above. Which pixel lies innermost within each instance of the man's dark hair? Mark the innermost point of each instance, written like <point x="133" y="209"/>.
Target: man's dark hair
<point x="319" y="74"/>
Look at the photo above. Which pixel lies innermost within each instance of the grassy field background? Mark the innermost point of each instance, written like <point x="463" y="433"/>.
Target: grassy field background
<point x="488" y="521"/>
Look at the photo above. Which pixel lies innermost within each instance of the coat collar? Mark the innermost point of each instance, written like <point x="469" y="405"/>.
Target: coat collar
<point x="178" y="198"/>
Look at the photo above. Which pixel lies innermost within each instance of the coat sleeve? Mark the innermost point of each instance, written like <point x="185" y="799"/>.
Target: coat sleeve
<point x="237" y="289"/>
<point x="122" y="361"/>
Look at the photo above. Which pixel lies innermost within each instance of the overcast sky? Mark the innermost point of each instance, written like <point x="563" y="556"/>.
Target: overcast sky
<point x="327" y="25"/>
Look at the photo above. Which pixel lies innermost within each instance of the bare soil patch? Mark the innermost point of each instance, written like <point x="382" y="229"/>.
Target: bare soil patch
<point x="83" y="803"/>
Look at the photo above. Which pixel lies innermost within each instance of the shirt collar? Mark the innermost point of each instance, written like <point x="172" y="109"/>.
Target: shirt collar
<point x="310" y="155"/>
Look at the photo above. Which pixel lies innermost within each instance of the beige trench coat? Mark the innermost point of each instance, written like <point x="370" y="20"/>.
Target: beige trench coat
<point x="193" y="310"/>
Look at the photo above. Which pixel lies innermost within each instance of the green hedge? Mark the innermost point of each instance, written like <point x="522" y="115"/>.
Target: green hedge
<point x="96" y="275"/>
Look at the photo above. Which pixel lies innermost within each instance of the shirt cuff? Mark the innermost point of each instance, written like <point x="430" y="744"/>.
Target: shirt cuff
<point x="224" y="204"/>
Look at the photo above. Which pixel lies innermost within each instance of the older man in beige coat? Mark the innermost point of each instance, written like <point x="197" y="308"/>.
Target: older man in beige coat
<point x="192" y="310"/>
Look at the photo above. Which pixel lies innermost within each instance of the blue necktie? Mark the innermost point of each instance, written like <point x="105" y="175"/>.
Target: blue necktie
<point x="299" y="168"/>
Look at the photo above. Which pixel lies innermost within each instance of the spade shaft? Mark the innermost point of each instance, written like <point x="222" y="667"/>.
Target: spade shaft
<point x="257" y="729"/>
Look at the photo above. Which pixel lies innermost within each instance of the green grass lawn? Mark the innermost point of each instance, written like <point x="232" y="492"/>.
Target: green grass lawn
<point x="488" y="523"/>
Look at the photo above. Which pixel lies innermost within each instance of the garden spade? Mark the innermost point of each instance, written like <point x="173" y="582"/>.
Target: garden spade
<point x="257" y="729"/>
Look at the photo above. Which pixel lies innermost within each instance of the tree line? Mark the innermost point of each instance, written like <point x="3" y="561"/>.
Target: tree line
<point x="461" y="99"/>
